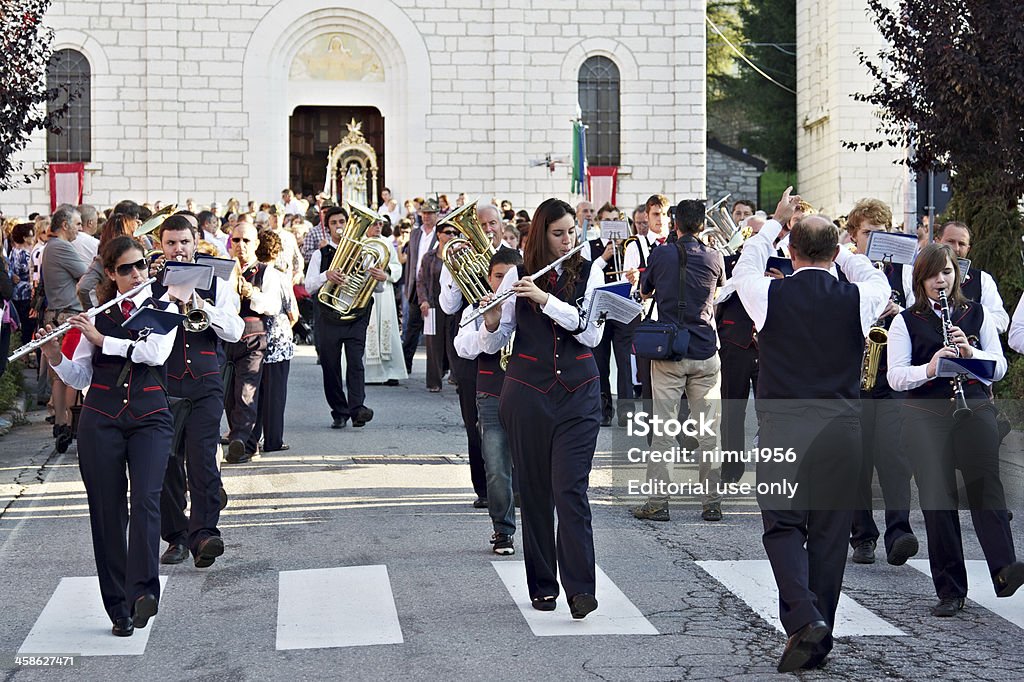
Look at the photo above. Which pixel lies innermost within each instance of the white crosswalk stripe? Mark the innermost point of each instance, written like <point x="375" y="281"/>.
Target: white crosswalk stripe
<point x="616" y="614"/>
<point x="753" y="582"/>
<point x="75" y="622"/>
<point x="336" y="607"/>
<point x="980" y="591"/>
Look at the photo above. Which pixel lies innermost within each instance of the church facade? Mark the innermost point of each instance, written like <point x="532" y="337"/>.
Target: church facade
<point x="228" y="98"/>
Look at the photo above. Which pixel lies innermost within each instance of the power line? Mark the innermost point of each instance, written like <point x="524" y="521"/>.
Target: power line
<point x="742" y="56"/>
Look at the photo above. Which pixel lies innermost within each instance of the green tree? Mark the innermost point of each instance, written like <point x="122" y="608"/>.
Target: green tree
<point x="950" y="85"/>
<point x="769" y="27"/>
<point x="25" y="46"/>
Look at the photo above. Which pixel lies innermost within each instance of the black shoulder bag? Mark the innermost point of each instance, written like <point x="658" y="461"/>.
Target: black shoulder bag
<point x="665" y="340"/>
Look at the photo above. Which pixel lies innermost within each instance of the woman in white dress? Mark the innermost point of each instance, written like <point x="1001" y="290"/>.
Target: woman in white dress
<point x="383" y="360"/>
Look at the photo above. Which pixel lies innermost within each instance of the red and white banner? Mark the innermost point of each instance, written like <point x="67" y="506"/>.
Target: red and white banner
<point x="603" y="181"/>
<point x="66" y="182"/>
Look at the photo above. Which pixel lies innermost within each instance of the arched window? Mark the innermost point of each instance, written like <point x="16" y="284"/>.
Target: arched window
<point x="599" y="102"/>
<point x="68" y="71"/>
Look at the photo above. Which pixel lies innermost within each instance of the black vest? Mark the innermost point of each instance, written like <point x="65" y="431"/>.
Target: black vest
<point x="195" y="354"/>
<point x="490" y="377"/>
<point x="326" y="313"/>
<point x="596" y="251"/>
<point x="141" y="390"/>
<point x="254" y="323"/>
<point x="733" y="322"/>
<point x="971" y="287"/>
<point x="544" y="353"/>
<point x="894" y="273"/>
<point x="925" y="340"/>
<point x="812" y="343"/>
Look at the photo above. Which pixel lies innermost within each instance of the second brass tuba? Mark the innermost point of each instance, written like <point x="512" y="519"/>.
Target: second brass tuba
<point x="468" y="257"/>
<point x="354" y="258"/>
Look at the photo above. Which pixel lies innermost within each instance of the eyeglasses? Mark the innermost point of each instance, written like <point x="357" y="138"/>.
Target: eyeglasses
<point x="235" y="240"/>
<point x="450" y="233"/>
<point x="126" y="269"/>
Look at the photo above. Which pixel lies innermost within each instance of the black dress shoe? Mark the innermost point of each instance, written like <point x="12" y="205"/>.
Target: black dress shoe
<point x="361" y="416"/>
<point x="209" y="549"/>
<point x="948" y="607"/>
<point x="582" y="604"/>
<point x="480" y="503"/>
<point x="903" y="548"/>
<point x="123" y="627"/>
<point x="282" y="448"/>
<point x="236" y="453"/>
<point x="864" y="553"/>
<point x="544" y="603"/>
<point x="145" y="608"/>
<point x="1009" y="579"/>
<point x="606" y="420"/>
<point x="391" y="382"/>
<point x="223" y="498"/>
<point x="800" y="648"/>
<point x="174" y="554"/>
<point x="339" y="423"/>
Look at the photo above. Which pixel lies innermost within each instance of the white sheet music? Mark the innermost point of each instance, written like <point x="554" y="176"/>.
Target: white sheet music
<point x="430" y="323"/>
<point x="222" y="267"/>
<point x="614" y="306"/>
<point x="894" y="247"/>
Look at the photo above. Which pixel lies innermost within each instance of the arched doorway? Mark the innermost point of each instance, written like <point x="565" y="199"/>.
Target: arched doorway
<point x="315" y="130"/>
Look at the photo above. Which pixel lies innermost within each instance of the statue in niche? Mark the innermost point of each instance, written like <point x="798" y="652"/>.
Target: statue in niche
<point x="353" y="185"/>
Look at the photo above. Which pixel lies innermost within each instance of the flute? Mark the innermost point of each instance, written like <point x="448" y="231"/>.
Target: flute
<point x="66" y="327"/>
<point x="508" y="293"/>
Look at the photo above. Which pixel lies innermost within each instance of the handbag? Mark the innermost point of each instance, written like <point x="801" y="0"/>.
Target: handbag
<point x="664" y="340"/>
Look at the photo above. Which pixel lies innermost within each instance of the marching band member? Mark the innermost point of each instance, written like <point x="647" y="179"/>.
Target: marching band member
<point x="551" y="407"/>
<point x="938" y="444"/>
<point x="1016" y="336"/>
<point x="336" y="335"/>
<point x="489" y="381"/>
<point x="977" y="285"/>
<point x="193" y="371"/>
<point x="880" y="419"/>
<point x="125" y="425"/>
<point x="808" y="395"/>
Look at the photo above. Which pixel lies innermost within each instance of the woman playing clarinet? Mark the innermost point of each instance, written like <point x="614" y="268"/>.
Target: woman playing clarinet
<point x="950" y="425"/>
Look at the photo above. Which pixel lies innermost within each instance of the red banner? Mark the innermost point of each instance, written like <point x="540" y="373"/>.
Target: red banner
<point x="66" y="182"/>
<point x="603" y="181"/>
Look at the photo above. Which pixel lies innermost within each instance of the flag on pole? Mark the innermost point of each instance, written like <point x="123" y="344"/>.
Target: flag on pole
<point x="579" y="159"/>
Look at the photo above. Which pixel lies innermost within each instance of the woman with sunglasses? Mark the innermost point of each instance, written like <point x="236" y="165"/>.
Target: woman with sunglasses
<point x="551" y="406"/>
<point x="937" y="443"/>
<point x="125" y="424"/>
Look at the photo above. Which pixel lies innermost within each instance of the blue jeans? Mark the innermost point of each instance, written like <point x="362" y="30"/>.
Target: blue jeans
<point x="498" y="465"/>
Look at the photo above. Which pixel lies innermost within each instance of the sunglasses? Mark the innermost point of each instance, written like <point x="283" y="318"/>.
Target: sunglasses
<point x="235" y="240"/>
<point x="450" y="233"/>
<point x="126" y="269"/>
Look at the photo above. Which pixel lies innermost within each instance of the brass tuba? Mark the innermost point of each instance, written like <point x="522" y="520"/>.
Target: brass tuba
<point x="468" y="257"/>
<point x="354" y="258"/>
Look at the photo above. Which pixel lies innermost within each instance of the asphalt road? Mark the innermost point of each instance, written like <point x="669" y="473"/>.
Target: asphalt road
<point x="395" y="499"/>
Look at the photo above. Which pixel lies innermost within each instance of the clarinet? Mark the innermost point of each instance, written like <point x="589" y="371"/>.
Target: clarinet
<point x="962" y="411"/>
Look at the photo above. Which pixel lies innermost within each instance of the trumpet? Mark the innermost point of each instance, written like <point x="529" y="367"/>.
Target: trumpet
<point x="196" y="319"/>
<point x="962" y="411"/>
<point x="66" y="327"/>
<point x="508" y="293"/>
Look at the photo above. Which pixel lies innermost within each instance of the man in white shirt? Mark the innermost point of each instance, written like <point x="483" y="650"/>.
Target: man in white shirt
<point x="291" y="204"/>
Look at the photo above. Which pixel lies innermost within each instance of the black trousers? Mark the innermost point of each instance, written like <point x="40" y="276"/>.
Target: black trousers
<point x="411" y="332"/>
<point x="246" y="358"/>
<point x="270" y="404"/>
<point x="937" y="447"/>
<point x="106" y="449"/>
<point x="617" y="341"/>
<point x="437" y="347"/>
<point x="332" y="340"/>
<point x="553" y="437"/>
<point x="880" y="433"/>
<point x="805" y="538"/>
<point x="198" y="459"/>
<point x="739" y="375"/>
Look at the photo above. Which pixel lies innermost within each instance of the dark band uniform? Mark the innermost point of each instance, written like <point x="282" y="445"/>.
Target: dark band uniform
<point x="808" y="399"/>
<point x="194" y="374"/>
<point x="125" y="425"/>
<point x="551" y="411"/>
<point x="637" y="251"/>
<point x="978" y="286"/>
<point x="938" y="446"/>
<point x="334" y="336"/>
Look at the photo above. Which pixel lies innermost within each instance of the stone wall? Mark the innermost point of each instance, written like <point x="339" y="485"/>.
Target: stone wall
<point x="730" y="171"/>
<point x="191" y="98"/>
